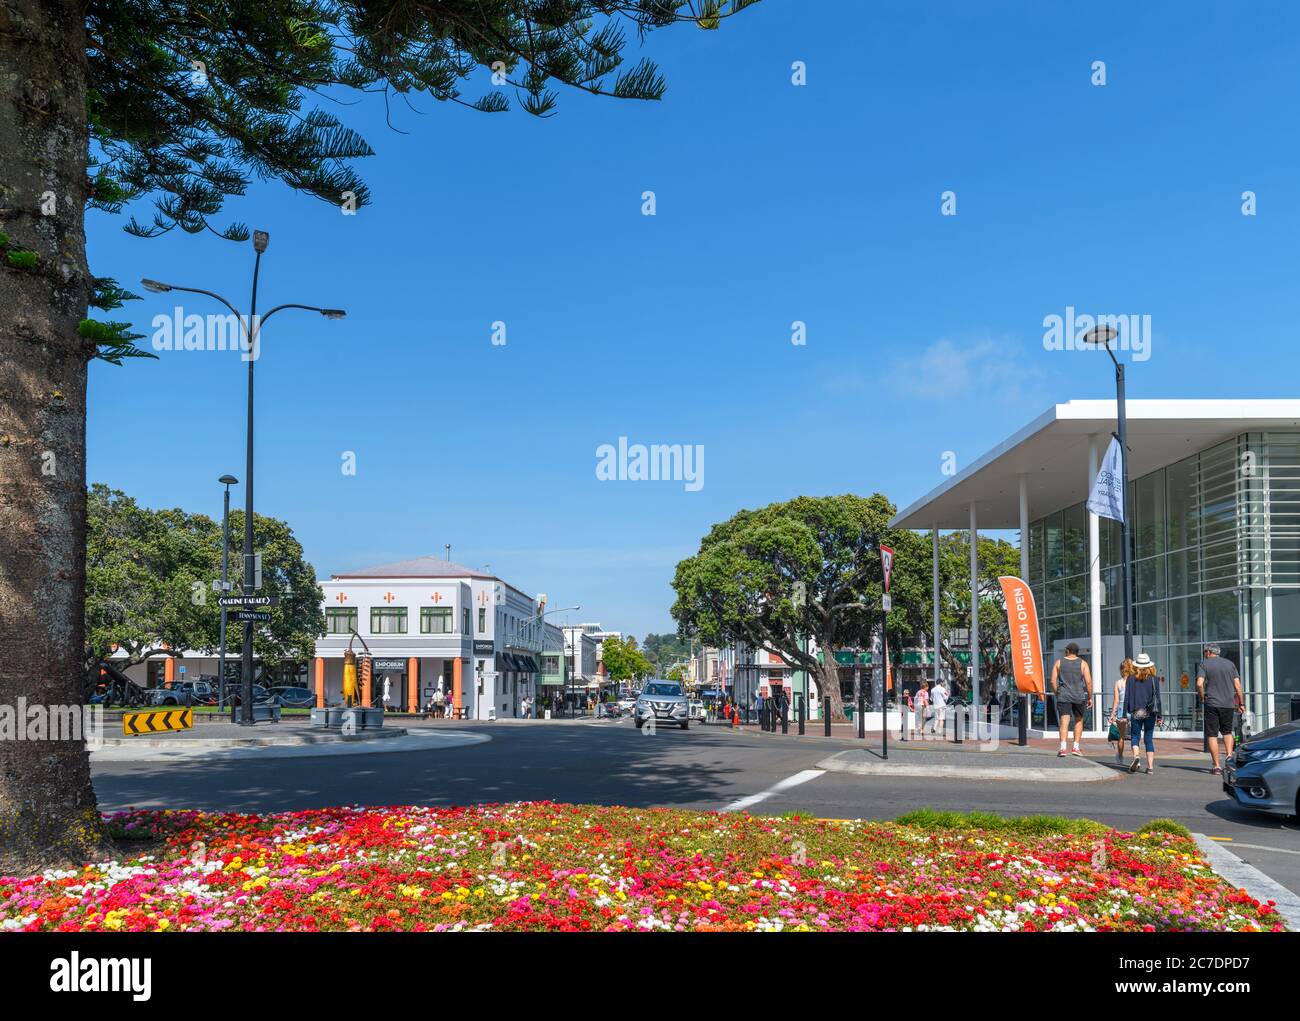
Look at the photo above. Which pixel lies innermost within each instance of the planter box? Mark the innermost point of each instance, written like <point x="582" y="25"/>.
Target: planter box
<point x="335" y="716"/>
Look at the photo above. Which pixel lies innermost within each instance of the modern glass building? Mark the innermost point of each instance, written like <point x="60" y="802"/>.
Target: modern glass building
<point x="1214" y="501"/>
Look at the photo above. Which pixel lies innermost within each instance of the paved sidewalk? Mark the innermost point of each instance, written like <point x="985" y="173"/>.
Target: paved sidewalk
<point x="950" y="761"/>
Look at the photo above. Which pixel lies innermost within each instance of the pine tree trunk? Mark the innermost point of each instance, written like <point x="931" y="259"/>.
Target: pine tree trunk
<point x="48" y="813"/>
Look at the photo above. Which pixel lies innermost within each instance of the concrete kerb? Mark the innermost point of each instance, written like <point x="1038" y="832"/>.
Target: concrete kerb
<point x="281" y="746"/>
<point x="1245" y="876"/>
<point x="864" y="763"/>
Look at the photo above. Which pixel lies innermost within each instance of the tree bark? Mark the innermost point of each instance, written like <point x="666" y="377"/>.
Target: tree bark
<point x="828" y="681"/>
<point x="48" y="813"/>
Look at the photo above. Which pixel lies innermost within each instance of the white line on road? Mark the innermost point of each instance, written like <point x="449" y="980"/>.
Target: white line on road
<point x="1264" y="847"/>
<point x="803" y="776"/>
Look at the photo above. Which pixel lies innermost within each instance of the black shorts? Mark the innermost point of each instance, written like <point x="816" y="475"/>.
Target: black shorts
<point x="1075" y="710"/>
<point x="1218" y="720"/>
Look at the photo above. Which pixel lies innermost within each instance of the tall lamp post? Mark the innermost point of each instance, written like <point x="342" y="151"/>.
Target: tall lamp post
<point x="252" y="329"/>
<point x="1101" y="336"/>
<point x="227" y="481"/>
<point x="537" y="622"/>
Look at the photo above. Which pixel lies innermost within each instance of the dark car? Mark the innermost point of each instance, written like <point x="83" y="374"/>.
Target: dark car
<point x="181" y="693"/>
<point x="235" y="694"/>
<point x="1264" y="773"/>
<point x="293" y="697"/>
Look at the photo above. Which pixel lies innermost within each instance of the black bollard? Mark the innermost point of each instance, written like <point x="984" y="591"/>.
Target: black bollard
<point x="1022" y="732"/>
<point x="862" y="714"/>
<point x="785" y="718"/>
<point x="799" y="708"/>
<point x="826" y="719"/>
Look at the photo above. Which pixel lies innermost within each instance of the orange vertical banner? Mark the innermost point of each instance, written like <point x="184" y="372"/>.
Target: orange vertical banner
<point x="412" y="685"/>
<point x="320" y="682"/>
<point x="366" y="673"/>
<point x="1026" y="644"/>
<point x="457" y="686"/>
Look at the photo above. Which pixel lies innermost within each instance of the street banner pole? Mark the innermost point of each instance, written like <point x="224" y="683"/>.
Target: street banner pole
<point x="886" y="678"/>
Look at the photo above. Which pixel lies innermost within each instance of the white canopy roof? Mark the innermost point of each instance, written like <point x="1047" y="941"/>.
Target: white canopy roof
<point x="1052" y="453"/>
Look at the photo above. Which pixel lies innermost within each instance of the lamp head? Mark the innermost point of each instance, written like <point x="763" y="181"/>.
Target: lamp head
<point x="1101" y="336"/>
<point x="260" y="240"/>
<point x="228" y="480"/>
<point x="157" y="286"/>
<point x="333" y="313"/>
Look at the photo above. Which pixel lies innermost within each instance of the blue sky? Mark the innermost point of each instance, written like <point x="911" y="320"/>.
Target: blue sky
<point x="775" y="203"/>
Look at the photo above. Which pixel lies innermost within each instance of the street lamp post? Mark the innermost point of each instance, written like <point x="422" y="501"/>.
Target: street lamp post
<point x="252" y="330"/>
<point x="537" y="622"/>
<point x="227" y="481"/>
<point x="1102" y="336"/>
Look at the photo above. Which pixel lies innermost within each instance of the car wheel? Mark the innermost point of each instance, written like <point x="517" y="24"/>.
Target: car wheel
<point x="686" y="724"/>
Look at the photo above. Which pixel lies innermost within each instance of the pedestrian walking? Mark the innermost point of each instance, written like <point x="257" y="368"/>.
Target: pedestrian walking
<point x="1143" y="709"/>
<point x="1219" y="687"/>
<point x="939" y="699"/>
<point x="1072" y="684"/>
<point x="439" y="704"/>
<point x="1118" y="722"/>
<point x="922" y="700"/>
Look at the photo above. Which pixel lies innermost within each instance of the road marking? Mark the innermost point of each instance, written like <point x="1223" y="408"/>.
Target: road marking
<point x="1228" y="839"/>
<point x="1265" y="847"/>
<point x="803" y="776"/>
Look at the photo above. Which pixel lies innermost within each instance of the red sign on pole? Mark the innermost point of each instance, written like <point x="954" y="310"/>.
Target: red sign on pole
<point x="886" y="564"/>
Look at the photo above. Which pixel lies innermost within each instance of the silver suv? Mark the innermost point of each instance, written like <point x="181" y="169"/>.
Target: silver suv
<point x="665" y="701"/>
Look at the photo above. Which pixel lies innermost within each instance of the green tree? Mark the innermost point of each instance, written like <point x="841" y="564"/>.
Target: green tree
<point x="664" y="650"/>
<point x="149" y="576"/>
<point x="809" y="568"/>
<point x="106" y="103"/>
<point x="623" y="660"/>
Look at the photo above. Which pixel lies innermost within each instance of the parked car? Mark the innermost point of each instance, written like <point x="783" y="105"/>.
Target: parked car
<point x="293" y="697"/>
<point x="235" y="693"/>
<point x="1264" y="773"/>
<point x="697" y="709"/>
<point x="181" y="693"/>
<point x="663" y="700"/>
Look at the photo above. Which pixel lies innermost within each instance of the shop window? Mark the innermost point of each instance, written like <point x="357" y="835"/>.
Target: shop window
<point x="1219" y="617"/>
<point x="340" y="620"/>
<point x="482" y="620"/>
<point x="388" y="620"/>
<point x="435" y="620"/>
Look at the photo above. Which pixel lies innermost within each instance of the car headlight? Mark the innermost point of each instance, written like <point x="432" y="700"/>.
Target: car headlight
<point x="1274" y="755"/>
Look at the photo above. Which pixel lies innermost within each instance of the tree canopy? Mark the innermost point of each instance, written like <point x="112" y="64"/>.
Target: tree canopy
<point x="149" y="576"/>
<point x="623" y="660"/>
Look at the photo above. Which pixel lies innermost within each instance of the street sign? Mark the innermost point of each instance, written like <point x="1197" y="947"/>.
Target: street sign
<point x="390" y="666"/>
<point x="156" y="721"/>
<point x="484" y="647"/>
<point x="253" y="569"/>
<point x="256" y="616"/>
<point x="887" y="564"/>
<point x="886" y="603"/>
<point x="248" y="601"/>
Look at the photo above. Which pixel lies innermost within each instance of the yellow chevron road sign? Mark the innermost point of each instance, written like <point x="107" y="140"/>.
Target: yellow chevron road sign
<point x="156" y="721"/>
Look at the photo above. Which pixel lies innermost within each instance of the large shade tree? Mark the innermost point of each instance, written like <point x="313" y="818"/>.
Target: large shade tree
<point x="809" y="568"/>
<point x="149" y="576"/>
<point x="114" y="103"/>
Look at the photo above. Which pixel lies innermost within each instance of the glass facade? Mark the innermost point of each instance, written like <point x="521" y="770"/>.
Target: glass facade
<point x="1216" y="557"/>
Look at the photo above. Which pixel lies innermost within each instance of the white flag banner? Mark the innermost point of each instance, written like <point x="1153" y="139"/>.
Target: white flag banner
<point x="1107" y="497"/>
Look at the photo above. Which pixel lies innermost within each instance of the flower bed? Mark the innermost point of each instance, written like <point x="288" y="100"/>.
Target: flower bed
<point x="545" y="866"/>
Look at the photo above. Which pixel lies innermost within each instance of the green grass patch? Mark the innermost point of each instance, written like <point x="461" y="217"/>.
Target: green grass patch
<point x="1165" y="826"/>
<point x="1020" y="825"/>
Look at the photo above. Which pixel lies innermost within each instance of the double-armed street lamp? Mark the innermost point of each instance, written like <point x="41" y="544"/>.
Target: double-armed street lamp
<point x="252" y="331"/>
<point x="227" y="481"/>
<point x="1101" y="336"/>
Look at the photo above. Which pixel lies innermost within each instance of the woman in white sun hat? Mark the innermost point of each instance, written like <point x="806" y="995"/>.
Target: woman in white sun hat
<point x="1142" y="707"/>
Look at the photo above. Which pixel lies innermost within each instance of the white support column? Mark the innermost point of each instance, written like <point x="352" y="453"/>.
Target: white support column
<point x="1094" y="583"/>
<point x="974" y="612"/>
<point x="1024" y="529"/>
<point x="934" y="595"/>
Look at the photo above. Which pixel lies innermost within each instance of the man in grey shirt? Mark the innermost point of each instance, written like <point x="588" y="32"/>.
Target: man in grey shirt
<point x="1072" y="685"/>
<point x="1219" y="687"/>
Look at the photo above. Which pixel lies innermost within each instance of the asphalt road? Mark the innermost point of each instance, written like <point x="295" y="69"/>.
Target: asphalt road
<point x="705" y="767"/>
